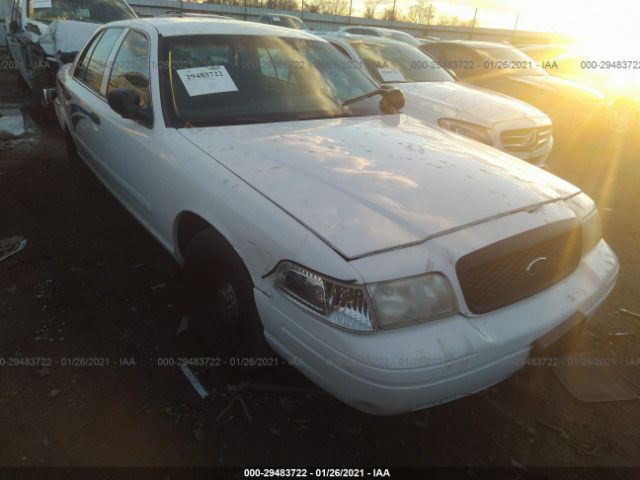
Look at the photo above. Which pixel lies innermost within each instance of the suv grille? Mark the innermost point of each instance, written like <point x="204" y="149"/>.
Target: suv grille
<point x="520" y="266"/>
<point x="525" y="139"/>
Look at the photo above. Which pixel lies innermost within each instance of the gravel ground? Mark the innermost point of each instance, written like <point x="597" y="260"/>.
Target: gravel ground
<point x="92" y="283"/>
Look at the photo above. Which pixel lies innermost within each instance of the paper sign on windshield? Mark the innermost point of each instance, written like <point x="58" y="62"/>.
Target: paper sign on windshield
<point x="41" y="3"/>
<point x="390" y="74"/>
<point x="207" y="80"/>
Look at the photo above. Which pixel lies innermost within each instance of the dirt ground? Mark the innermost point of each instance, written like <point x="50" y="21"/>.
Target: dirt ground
<point x="92" y="283"/>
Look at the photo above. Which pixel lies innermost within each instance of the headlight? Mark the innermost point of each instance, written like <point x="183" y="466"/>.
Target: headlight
<point x="412" y="300"/>
<point x="397" y="303"/>
<point x="466" y="129"/>
<point x="339" y="303"/>
<point x="585" y="208"/>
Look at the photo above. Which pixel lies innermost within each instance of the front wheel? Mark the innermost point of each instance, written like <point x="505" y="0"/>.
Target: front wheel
<point x="222" y="304"/>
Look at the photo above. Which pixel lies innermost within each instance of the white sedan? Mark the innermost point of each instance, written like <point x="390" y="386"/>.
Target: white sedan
<point x="394" y="265"/>
<point x="434" y="97"/>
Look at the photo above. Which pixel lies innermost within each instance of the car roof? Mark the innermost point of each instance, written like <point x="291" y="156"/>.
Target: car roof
<point x="469" y="43"/>
<point x="176" y="26"/>
<point x="371" y="27"/>
<point x="278" y="15"/>
<point x="365" y="38"/>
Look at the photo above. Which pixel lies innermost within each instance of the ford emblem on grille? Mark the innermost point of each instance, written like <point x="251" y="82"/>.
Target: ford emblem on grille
<point x="536" y="265"/>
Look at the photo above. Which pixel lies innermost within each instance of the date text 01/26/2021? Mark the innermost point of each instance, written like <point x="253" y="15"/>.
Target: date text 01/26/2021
<point x="317" y="473"/>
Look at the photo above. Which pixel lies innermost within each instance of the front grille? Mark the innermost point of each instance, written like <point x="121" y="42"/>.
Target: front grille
<point x="522" y="140"/>
<point x="519" y="266"/>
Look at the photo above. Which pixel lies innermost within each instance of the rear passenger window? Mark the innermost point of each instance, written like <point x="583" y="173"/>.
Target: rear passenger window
<point x="85" y="56"/>
<point x="131" y="67"/>
<point x="98" y="61"/>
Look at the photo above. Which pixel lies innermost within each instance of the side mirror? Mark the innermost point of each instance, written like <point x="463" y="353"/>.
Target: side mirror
<point x="393" y="99"/>
<point x="14" y="27"/>
<point x="126" y="103"/>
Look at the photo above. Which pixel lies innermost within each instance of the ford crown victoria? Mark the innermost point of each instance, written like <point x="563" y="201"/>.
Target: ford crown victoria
<point x="394" y="265"/>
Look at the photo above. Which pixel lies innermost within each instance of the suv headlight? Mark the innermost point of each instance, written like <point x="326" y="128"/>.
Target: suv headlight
<point x="412" y="300"/>
<point x="363" y="308"/>
<point x="466" y="129"/>
<point x="585" y="208"/>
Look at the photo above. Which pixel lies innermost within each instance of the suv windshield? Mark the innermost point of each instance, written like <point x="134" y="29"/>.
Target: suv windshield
<point x="232" y="79"/>
<point x="91" y="11"/>
<point x="393" y="63"/>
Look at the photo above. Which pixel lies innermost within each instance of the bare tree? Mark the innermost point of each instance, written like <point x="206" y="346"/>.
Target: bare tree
<point x="334" y="7"/>
<point x="389" y="14"/>
<point x="456" y="20"/>
<point x="370" y="7"/>
<point x="421" y="12"/>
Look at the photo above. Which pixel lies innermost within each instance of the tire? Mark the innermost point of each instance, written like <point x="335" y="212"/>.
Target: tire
<point x="222" y="305"/>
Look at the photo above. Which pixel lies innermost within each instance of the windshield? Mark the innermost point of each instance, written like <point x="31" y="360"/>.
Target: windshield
<point x="401" y="36"/>
<point x="232" y="79"/>
<point x="509" y="59"/>
<point x="91" y="11"/>
<point x="288" y="22"/>
<point x="393" y="63"/>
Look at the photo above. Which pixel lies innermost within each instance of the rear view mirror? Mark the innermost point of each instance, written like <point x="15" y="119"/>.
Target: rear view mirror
<point x="126" y="103"/>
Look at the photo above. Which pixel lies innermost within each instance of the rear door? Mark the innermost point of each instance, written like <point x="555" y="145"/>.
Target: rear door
<point x="86" y="97"/>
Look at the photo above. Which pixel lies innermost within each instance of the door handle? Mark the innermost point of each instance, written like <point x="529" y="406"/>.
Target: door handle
<point x="94" y="118"/>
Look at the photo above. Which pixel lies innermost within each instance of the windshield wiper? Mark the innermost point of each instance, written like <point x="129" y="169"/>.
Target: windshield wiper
<point x="359" y="98"/>
<point x="392" y="98"/>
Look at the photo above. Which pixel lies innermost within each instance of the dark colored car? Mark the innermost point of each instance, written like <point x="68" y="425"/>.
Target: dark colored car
<point x="622" y="87"/>
<point x="573" y="107"/>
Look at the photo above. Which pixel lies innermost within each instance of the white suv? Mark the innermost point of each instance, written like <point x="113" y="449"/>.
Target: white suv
<point x="395" y="266"/>
<point x="434" y="97"/>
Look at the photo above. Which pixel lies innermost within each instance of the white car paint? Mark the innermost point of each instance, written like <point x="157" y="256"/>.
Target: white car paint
<point x="365" y="199"/>
<point x="432" y="101"/>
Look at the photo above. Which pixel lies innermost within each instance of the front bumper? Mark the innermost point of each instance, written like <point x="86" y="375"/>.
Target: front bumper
<point x="396" y="371"/>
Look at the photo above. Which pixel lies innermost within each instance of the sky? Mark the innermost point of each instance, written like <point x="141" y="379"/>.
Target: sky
<point x="579" y="18"/>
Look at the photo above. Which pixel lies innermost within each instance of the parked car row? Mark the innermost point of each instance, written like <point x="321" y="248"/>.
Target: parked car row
<point x="434" y="97"/>
<point x="42" y="36"/>
<point x="393" y="263"/>
<point x="507" y="70"/>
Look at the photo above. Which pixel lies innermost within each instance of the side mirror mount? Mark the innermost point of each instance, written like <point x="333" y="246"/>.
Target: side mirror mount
<point x="393" y="99"/>
<point x="126" y="103"/>
<point x="14" y="27"/>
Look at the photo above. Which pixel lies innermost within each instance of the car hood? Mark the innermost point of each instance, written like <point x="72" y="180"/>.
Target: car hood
<point x="557" y="87"/>
<point x="463" y="102"/>
<point x="368" y="184"/>
<point x="65" y="36"/>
